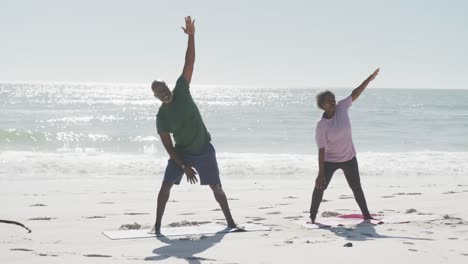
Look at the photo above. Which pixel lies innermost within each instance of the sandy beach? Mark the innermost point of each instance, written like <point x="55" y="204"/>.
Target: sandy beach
<point x="67" y="216"/>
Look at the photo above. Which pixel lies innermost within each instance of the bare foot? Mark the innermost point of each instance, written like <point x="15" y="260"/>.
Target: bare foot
<point x="156" y="230"/>
<point x="368" y="217"/>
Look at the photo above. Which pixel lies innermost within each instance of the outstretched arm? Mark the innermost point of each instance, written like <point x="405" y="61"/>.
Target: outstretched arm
<point x="190" y="54"/>
<point x="356" y="92"/>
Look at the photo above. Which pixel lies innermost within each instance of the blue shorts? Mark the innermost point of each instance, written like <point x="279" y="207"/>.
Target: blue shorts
<point x="204" y="162"/>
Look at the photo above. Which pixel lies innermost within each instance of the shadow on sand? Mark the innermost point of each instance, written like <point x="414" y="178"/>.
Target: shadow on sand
<point x="186" y="249"/>
<point x="364" y="231"/>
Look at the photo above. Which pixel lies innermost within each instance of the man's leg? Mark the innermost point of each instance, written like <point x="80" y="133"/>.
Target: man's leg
<point x="162" y="201"/>
<point x="351" y="171"/>
<point x="317" y="194"/>
<point x="220" y="197"/>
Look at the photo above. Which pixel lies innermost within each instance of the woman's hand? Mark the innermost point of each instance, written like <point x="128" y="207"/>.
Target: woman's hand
<point x="320" y="182"/>
<point x="373" y="75"/>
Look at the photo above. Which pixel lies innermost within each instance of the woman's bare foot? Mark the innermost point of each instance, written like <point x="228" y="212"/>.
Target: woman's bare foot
<point x="232" y="225"/>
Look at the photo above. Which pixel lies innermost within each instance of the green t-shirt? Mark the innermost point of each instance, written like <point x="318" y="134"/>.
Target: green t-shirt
<point x="182" y="118"/>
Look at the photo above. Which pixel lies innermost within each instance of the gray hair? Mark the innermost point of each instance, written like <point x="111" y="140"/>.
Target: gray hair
<point x="321" y="97"/>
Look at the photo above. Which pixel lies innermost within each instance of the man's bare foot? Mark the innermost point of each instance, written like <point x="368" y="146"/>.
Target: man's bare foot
<point x="312" y="221"/>
<point x="232" y="225"/>
<point x="156" y="230"/>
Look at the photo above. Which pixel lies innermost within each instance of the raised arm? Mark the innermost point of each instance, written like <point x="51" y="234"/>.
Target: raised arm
<point x="190" y="54"/>
<point x="356" y="92"/>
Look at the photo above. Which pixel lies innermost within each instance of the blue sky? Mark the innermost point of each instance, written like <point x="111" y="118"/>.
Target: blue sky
<point x="417" y="44"/>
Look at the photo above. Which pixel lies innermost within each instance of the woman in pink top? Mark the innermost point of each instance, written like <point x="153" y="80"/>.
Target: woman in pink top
<point x="336" y="149"/>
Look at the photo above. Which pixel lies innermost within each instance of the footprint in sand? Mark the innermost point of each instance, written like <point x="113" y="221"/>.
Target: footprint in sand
<point x="448" y="217"/>
<point x="197" y="259"/>
<point x="42" y="218"/>
<point x="37" y="205"/>
<point x="293" y="217"/>
<point x="233" y="199"/>
<point x="408" y="243"/>
<point x="134" y="226"/>
<point x="255" y="218"/>
<point x="449" y="192"/>
<point x="413" y="193"/>
<point x="266" y="207"/>
<point x="21" y="249"/>
<point x="94" y="217"/>
<point x="47" y="255"/>
<point x="387" y="196"/>
<point x="413" y="250"/>
<point x="187" y="214"/>
<point x="136" y="213"/>
<point x="290" y="197"/>
<point x="187" y="223"/>
<point x="273" y="213"/>
<point x="258" y="219"/>
<point x="330" y="214"/>
<point x="97" y="256"/>
<point x="282" y="204"/>
<point x="346" y="197"/>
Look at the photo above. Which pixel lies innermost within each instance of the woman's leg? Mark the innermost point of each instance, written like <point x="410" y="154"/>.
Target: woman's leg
<point x="351" y="172"/>
<point x="317" y="194"/>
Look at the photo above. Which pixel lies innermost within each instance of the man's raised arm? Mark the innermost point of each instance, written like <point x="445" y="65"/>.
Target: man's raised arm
<point x="190" y="54"/>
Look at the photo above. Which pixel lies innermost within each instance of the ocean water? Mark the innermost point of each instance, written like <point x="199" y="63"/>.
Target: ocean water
<point x="76" y="124"/>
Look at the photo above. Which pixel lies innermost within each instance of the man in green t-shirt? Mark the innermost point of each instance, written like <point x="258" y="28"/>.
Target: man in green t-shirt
<point x="193" y="153"/>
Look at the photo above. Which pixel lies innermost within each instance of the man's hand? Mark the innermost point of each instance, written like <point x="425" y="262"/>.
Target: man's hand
<point x="189" y="26"/>
<point x="320" y="182"/>
<point x="373" y="75"/>
<point x="191" y="175"/>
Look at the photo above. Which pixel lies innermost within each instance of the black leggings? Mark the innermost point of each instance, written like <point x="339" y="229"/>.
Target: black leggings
<point x="351" y="172"/>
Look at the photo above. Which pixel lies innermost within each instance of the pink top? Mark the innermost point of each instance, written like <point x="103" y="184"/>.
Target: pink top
<point x="334" y="134"/>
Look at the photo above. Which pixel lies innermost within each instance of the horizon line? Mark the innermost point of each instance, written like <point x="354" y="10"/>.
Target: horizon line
<point x="219" y="85"/>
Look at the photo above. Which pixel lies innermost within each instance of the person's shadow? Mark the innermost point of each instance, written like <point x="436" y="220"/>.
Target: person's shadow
<point x="186" y="248"/>
<point x="362" y="232"/>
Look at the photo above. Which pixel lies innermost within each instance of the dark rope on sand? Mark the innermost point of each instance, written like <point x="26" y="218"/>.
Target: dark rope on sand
<point x="15" y="223"/>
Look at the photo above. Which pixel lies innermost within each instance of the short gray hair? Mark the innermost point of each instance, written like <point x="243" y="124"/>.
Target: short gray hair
<point x="321" y="97"/>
